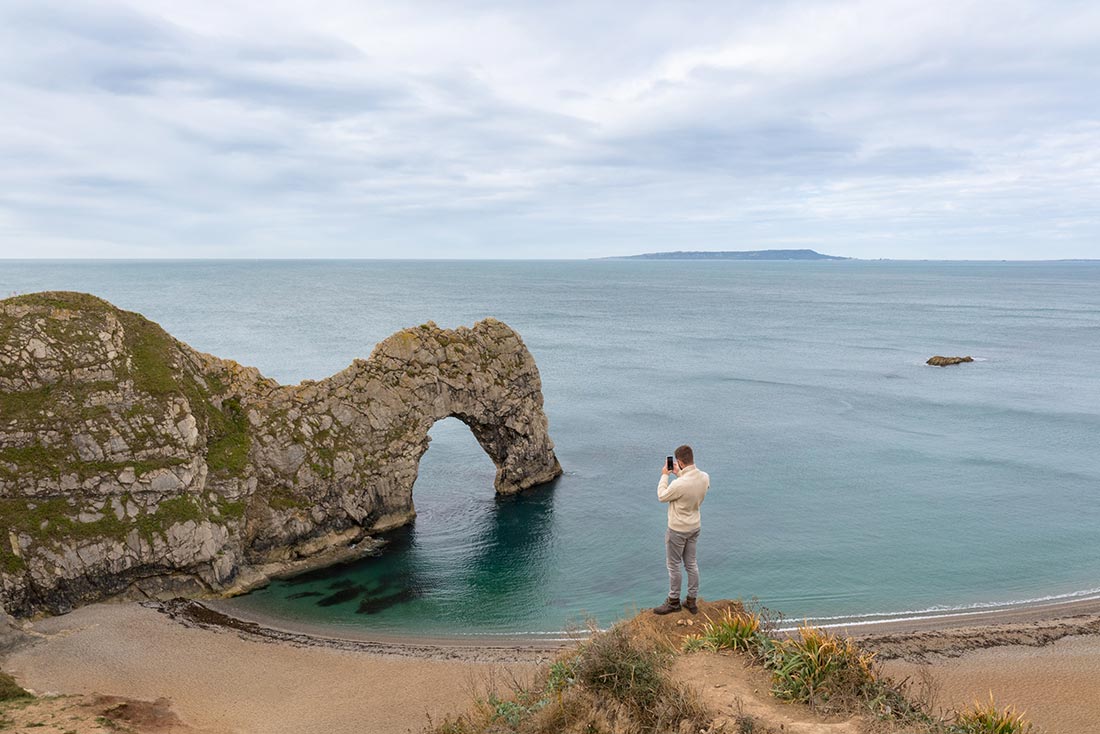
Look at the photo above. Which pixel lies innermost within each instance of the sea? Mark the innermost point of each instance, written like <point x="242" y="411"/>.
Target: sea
<point x="849" y="480"/>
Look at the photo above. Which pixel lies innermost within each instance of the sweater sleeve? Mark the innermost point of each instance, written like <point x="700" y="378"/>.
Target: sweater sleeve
<point x="667" y="492"/>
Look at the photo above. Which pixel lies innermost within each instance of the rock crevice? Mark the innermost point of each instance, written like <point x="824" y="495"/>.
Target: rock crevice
<point x="131" y="463"/>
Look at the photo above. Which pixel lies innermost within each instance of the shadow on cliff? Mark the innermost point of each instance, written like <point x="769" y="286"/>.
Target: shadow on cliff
<point x="507" y="558"/>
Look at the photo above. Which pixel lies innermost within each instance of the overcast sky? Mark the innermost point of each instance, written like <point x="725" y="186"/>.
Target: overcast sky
<point x="549" y="129"/>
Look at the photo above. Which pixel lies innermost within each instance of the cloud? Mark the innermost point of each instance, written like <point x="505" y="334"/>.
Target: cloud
<point x="482" y="129"/>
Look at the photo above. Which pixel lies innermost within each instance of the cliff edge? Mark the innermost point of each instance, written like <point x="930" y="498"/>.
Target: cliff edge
<point x="132" y="464"/>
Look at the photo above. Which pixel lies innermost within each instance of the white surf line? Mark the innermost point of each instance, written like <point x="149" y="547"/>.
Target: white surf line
<point x="860" y="620"/>
<point x="848" y="620"/>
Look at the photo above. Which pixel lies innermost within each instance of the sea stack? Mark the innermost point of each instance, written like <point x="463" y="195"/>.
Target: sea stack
<point x="132" y="464"/>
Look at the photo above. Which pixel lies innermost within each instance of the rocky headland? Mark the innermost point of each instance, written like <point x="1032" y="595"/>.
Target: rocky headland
<point x="134" y="465"/>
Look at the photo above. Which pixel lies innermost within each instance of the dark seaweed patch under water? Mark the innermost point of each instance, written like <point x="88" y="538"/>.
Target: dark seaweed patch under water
<point x="382" y="603"/>
<point x="344" y="595"/>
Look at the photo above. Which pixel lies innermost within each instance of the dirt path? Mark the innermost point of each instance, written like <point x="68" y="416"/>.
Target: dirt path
<point x="733" y="688"/>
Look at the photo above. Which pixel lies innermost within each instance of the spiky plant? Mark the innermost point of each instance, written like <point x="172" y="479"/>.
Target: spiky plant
<point x="733" y="631"/>
<point x="818" y="666"/>
<point x="986" y="718"/>
<point x="695" y="643"/>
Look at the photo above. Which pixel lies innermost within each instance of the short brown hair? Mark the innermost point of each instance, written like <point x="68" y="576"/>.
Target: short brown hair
<point x="685" y="455"/>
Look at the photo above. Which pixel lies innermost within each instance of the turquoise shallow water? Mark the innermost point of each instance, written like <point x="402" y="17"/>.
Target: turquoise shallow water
<point x="847" y="477"/>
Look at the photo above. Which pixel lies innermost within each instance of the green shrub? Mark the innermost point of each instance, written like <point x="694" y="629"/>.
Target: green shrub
<point x="562" y="674"/>
<point x="510" y="711"/>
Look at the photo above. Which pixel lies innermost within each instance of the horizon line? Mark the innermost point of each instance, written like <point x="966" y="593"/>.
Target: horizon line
<point x="540" y="259"/>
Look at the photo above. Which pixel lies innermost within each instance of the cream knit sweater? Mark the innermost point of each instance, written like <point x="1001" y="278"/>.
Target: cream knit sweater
<point x="684" y="495"/>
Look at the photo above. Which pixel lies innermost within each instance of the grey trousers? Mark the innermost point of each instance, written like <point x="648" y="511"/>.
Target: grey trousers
<point x="680" y="548"/>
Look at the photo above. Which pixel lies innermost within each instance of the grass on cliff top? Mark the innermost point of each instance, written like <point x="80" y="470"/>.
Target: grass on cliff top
<point x="618" y="682"/>
<point x="156" y="369"/>
<point x="67" y="300"/>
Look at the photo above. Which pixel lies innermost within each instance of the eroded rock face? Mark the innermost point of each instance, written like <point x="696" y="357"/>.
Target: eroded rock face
<point x="10" y="634"/>
<point x="133" y="464"/>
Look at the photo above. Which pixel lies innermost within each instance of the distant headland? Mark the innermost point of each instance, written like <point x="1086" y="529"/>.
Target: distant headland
<point x="730" y="255"/>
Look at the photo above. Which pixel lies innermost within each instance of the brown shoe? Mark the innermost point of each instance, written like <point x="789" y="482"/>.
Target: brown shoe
<point x="689" y="604"/>
<point x="671" y="605"/>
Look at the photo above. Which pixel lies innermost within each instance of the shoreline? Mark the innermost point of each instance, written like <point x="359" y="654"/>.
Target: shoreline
<point x="207" y="615"/>
<point x="1007" y="625"/>
<point x="284" y="625"/>
<point x="1086" y="601"/>
<point x="1056" y="618"/>
<point x="894" y="634"/>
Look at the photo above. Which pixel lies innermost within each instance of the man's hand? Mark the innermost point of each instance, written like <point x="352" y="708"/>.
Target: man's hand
<point x="664" y="469"/>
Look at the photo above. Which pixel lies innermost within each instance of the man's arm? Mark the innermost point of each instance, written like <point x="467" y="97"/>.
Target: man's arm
<point x="667" y="492"/>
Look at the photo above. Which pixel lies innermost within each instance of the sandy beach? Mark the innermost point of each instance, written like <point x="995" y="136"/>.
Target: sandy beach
<point x="1043" y="660"/>
<point x="1056" y="685"/>
<point x="219" y="681"/>
<point x="221" y="675"/>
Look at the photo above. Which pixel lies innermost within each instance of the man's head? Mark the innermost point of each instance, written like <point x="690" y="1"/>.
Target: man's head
<point x="685" y="456"/>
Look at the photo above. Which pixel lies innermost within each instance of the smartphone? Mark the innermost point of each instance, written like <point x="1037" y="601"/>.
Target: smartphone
<point x="668" y="463"/>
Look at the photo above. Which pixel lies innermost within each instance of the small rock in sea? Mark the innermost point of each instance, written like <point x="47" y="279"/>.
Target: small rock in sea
<point x="939" y="361"/>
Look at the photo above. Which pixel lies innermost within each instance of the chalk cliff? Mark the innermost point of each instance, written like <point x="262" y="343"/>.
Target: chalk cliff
<point x="133" y="464"/>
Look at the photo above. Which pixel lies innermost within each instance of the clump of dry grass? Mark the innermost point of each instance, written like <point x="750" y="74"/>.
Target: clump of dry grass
<point x="613" y="683"/>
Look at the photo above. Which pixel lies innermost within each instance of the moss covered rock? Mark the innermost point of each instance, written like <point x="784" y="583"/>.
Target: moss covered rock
<point x="133" y="464"/>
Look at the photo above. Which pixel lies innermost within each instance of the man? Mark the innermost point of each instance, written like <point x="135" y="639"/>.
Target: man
<point x="683" y="495"/>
